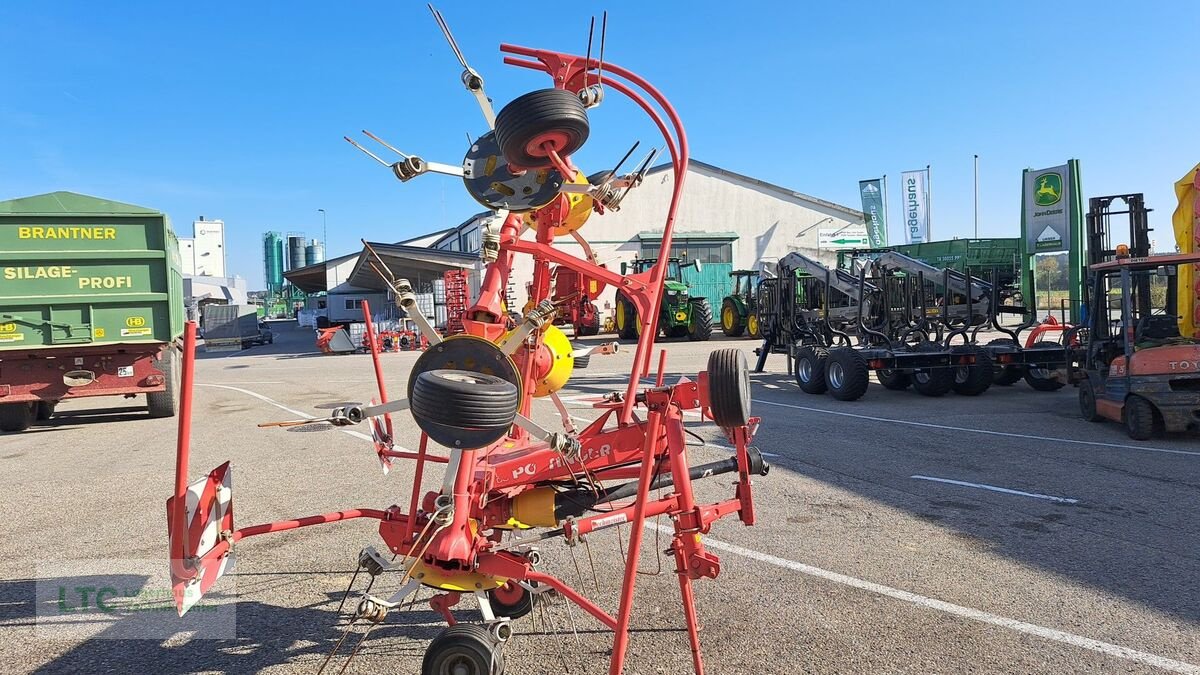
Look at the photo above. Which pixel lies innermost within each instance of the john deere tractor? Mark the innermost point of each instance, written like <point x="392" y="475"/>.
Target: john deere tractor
<point x="739" y="309"/>
<point x="680" y="313"/>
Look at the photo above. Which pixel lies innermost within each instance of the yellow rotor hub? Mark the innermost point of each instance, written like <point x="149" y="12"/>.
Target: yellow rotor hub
<point x="561" y="364"/>
<point x="579" y="208"/>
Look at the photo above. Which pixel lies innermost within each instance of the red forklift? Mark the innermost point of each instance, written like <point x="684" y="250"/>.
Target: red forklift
<point x="1137" y="368"/>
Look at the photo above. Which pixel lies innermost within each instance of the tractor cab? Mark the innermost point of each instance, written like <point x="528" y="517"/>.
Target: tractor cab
<point x="680" y="314"/>
<point x="1139" y="369"/>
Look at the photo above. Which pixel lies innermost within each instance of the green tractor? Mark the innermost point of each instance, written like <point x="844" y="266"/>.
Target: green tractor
<point x="679" y="315"/>
<point x="739" y="309"/>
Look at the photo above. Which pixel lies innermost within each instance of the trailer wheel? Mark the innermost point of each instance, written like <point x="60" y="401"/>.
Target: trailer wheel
<point x="463" y="649"/>
<point x="166" y="403"/>
<point x="463" y="409"/>
<point x="700" y="321"/>
<point x="729" y="388"/>
<point x="1006" y="375"/>
<point x="545" y="116"/>
<point x="1087" y="402"/>
<point x="731" y="319"/>
<point x="45" y="410"/>
<point x="893" y="379"/>
<point x="974" y="379"/>
<point x="1041" y="378"/>
<point x="16" y="417"/>
<point x="846" y="374"/>
<point x="1139" y="418"/>
<point x="932" y="381"/>
<point x="810" y="368"/>
<point x="512" y="600"/>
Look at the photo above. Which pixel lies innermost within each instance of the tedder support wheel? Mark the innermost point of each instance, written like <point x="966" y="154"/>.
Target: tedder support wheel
<point x="546" y="116"/>
<point x="701" y="321"/>
<point x="810" y="369"/>
<point x="16" y="416"/>
<point x="1087" y="402"/>
<point x="166" y="403"/>
<point x="896" y="380"/>
<point x="463" y="409"/>
<point x="1139" y="418"/>
<point x="1006" y="375"/>
<point x="731" y="319"/>
<point x="974" y="379"/>
<point x="846" y="374"/>
<point x="511" y="600"/>
<point x="463" y="649"/>
<point x="932" y="381"/>
<point x="1041" y="379"/>
<point x="729" y="388"/>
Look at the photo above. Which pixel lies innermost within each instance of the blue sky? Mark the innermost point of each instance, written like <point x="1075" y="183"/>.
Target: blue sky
<point x="236" y="110"/>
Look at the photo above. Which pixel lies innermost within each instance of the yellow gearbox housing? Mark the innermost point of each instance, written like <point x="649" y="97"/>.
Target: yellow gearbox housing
<point x="579" y="208"/>
<point x="562" y="364"/>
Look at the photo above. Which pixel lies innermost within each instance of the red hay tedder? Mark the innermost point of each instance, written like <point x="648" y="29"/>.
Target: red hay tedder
<point x="508" y="483"/>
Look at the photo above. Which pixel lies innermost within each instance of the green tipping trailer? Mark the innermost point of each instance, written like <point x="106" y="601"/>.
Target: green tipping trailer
<point x="980" y="255"/>
<point x="91" y="304"/>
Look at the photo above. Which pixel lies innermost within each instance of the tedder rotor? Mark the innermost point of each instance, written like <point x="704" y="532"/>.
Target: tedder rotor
<point x="508" y="483"/>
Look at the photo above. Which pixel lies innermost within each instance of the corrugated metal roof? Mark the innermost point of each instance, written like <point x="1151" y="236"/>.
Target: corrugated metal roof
<point x="68" y="203"/>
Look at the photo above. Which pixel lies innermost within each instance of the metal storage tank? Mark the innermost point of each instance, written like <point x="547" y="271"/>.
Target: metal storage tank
<point x="314" y="253"/>
<point x="295" y="245"/>
<point x="273" y="260"/>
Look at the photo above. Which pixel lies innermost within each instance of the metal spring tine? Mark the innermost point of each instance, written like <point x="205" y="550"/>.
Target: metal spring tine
<point x="337" y="646"/>
<point x="603" y="34"/>
<point x="348" y="589"/>
<point x="384" y="144"/>
<point x="588" y="60"/>
<point x="369" y="153"/>
<point x="639" y="174"/>
<point x="358" y="646"/>
<point x="595" y="579"/>
<point x="617" y="168"/>
<point x="389" y="276"/>
<point x="469" y="141"/>
<point x="441" y="22"/>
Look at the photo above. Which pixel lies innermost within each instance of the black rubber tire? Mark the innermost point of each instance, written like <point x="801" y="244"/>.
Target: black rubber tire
<point x="1036" y="377"/>
<point x="1087" y="402"/>
<point x="811" y="378"/>
<point x="1006" y="376"/>
<point x="628" y="310"/>
<point x="166" y="403"/>
<point x="45" y="410"/>
<point x="700" y="323"/>
<point x="513" y="609"/>
<point x="738" y="327"/>
<point x="582" y="362"/>
<point x="932" y="381"/>
<point x="846" y="374"/>
<point x="757" y="323"/>
<point x="538" y="112"/>
<point x="975" y="379"/>
<point x="16" y="417"/>
<point x="729" y="388"/>
<point x="894" y="379"/>
<point x="462" y="645"/>
<point x="1139" y="418"/>
<point x="462" y="409"/>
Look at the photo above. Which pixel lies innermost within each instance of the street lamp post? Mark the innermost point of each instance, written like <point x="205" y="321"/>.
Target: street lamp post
<point x="324" y="230"/>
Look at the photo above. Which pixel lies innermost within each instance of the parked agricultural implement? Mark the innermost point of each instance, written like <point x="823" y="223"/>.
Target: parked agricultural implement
<point x="472" y="393"/>
<point x="911" y="330"/>
<point x="680" y="314"/>
<point x="574" y="295"/>
<point x="739" y="309"/>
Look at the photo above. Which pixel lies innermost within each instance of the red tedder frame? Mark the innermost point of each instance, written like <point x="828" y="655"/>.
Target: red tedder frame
<point x="619" y="445"/>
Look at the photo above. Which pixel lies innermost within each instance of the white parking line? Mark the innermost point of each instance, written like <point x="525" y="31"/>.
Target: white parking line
<point x="1007" y="434"/>
<point x="993" y="488"/>
<point x="971" y="613"/>
<point x="297" y="413"/>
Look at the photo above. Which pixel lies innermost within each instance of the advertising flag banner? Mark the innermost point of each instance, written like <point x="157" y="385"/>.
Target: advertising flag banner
<point x="914" y="196"/>
<point x="874" y="211"/>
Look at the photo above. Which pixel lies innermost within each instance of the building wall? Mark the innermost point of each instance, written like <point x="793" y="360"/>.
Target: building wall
<point x="209" y="237"/>
<point x="187" y="256"/>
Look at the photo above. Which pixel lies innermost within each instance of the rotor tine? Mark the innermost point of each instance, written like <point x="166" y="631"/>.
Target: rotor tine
<point x="588" y="60"/>
<point x="384" y="144"/>
<point x="337" y="646"/>
<point x="357" y="646"/>
<point x="369" y="153"/>
<point x="441" y="22"/>
<point x="348" y="589"/>
<point x="389" y="276"/>
<point x="627" y="154"/>
<point x="595" y="580"/>
<point x="603" y="34"/>
<point x="469" y="141"/>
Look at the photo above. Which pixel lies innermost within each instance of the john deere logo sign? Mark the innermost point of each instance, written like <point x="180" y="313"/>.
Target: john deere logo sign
<point x="1049" y="189"/>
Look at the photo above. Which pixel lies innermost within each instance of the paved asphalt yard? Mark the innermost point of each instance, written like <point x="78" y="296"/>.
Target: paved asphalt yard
<point x="896" y="534"/>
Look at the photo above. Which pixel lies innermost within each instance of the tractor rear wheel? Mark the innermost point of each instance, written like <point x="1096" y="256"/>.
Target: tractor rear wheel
<point x="463" y="649"/>
<point x="626" y="318"/>
<point x="1087" y="402"/>
<point x="1006" y="375"/>
<point x="1042" y="379"/>
<point x="16" y="416"/>
<point x="895" y="380"/>
<point x="810" y="369"/>
<point x="932" y="381"/>
<point x="530" y="122"/>
<point x="700" y="321"/>
<point x="1139" y="418"/>
<point x="731" y="319"/>
<point x="846" y="374"/>
<point x="729" y="388"/>
<point x="974" y="379"/>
